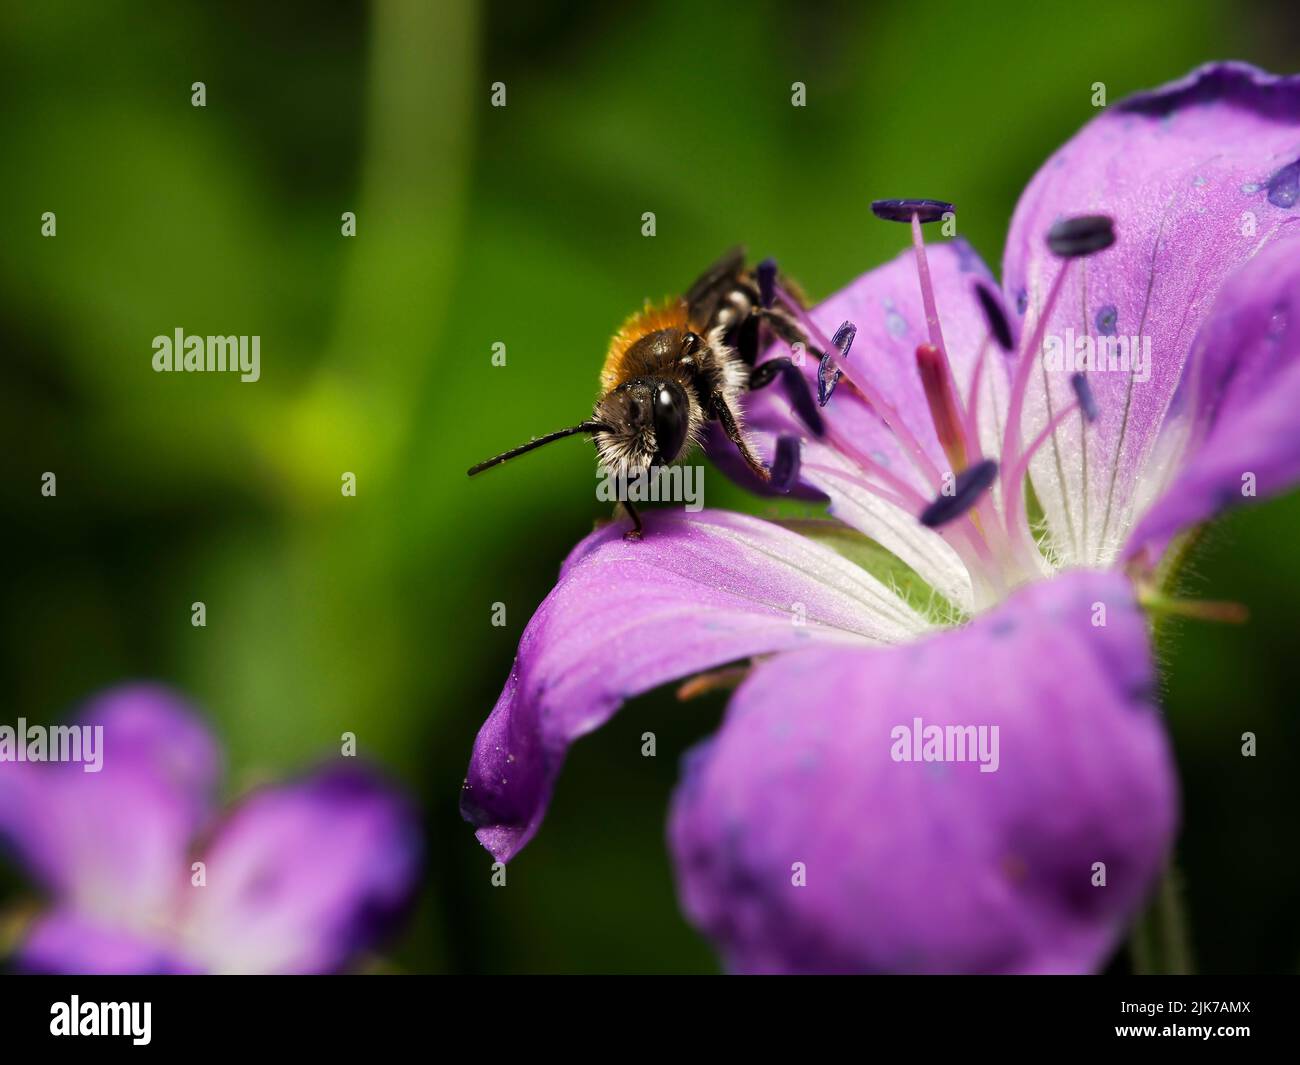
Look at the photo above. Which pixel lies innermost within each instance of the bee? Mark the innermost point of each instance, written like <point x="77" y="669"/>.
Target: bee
<point x="675" y="367"/>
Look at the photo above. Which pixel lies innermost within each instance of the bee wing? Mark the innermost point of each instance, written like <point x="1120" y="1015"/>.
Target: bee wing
<point x="703" y="297"/>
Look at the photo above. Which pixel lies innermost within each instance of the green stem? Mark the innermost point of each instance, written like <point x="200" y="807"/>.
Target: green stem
<point x="1157" y="604"/>
<point x="1160" y="943"/>
<point x="1161" y="940"/>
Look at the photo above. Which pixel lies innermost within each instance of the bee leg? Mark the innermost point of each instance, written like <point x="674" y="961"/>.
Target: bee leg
<point x="763" y="375"/>
<point x="633" y="533"/>
<point x="786" y="328"/>
<point x="723" y="413"/>
<point x="796" y="387"/>
<point x="746" y="340"/>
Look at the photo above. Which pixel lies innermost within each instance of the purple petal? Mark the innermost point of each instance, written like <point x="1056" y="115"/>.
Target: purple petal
<point x="64" y="941"/>
<point x="697" y="592"/>
<point x="113" y="843"/>
<point x="1241" y="437"/>
<point x="1193" y="175"/>
<point x="936" y="866"/>
<point x="303" y="877"/>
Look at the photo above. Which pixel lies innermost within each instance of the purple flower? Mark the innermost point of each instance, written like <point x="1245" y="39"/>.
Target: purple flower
<point x="297" y="878"/>
<point x="808" y="833"/>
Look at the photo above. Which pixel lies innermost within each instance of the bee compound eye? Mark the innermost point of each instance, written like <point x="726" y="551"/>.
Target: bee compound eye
<point x="672" y="416"/>
<point x="690" y="344"/>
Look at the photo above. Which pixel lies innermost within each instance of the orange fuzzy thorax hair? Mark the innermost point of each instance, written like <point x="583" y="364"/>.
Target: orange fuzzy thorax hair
<point x="670" y="314"/>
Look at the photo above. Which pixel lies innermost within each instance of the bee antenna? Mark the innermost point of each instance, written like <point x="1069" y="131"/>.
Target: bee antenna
<point x="536" y="442"/>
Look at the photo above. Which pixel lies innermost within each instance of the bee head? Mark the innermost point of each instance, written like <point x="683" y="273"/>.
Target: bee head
<point x="648" y="420"/>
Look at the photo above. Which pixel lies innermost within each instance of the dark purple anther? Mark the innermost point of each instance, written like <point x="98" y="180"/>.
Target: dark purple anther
<point x="970" y="484"/>
<point x="999" y="327"/>
<point x="1083" y="393"/>
<point x="766" y="273"/>
<point x="903" y="210"/>
<point x="843" y="338"/>
<point x="785" y="466"/>
<point x="828" y="377"/>
<point x="1072" y="238"/>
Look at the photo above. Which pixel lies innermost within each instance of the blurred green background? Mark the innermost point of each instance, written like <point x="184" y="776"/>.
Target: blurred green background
<point x="519" y="225"/>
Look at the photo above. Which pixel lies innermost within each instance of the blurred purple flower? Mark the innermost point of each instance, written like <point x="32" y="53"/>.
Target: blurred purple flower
<point x="299" y="878"/>
<point x="801" y="844"/>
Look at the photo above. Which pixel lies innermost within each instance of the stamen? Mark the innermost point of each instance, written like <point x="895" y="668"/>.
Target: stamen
<point x="901" y="495"/>
<point x="970" y="484"/>
<point x="973" y="404"/>
<point x="966" y="538"/>
<point x="842" y="341"/>
<point x="898" y="492"/>
<point x="1072" y="238"/>
<point x="936" y="371"/>
<point x="766" y="274"/>
<point x="1020" y="384"/>
<point x="867" y="464"/>
<point x="1014" y="479"/>
<point x="825" y="381"/>
<point x="986" y="518"/>
<point x="937" y="383"/>
<point x="785" y="464"/>
<point x="1087" y="402"/>
<point x="906" y="210"/>
<point x="927" y="286"/>
<point x="963" y="538"/>
<point x="883" y="408"/>
<point x="999" y="327"/>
